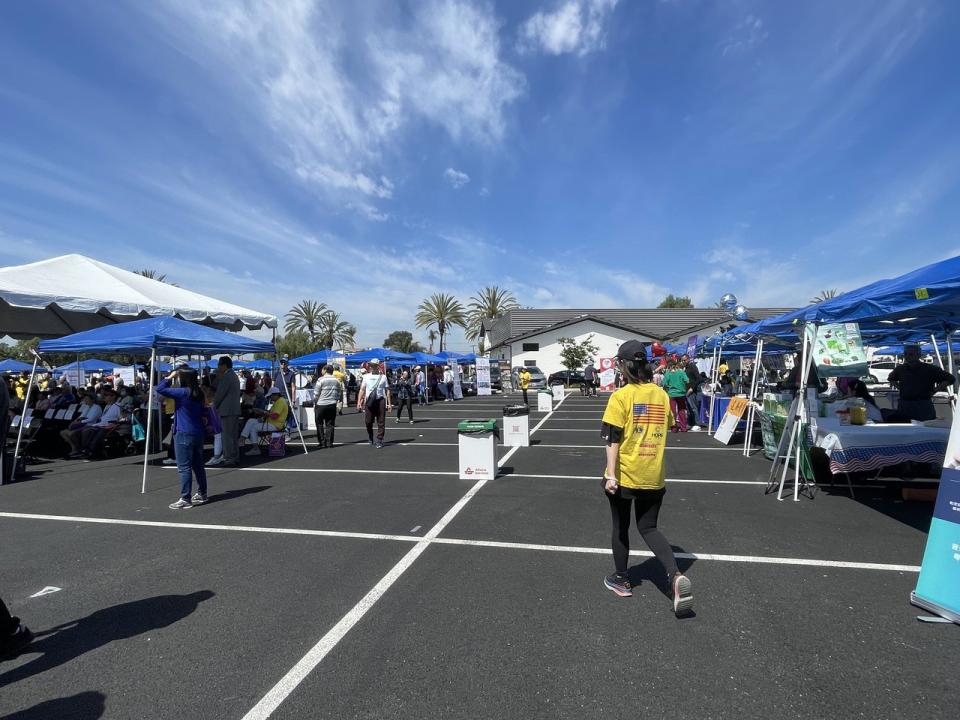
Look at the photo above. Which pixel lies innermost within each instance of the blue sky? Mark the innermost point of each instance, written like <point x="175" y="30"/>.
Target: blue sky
<point x="579" y="152"/>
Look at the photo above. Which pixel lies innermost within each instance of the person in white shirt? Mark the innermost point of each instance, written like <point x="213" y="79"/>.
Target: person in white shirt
<point x="91" y="435"/>
<point x="448" y="383"/>
<point x="89" y="413"/>
<point x="420" y="382"/>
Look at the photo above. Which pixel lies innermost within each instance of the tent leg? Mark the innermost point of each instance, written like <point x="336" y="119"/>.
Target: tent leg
<point x="807" y="356"/>
<point x="936" y="349"/>
<point x="286" y="391"/>
<point x="23" y="415"/>
<point x="950" y="369"/>
<point x="751" y="410"/>
<point x="146" y="443"/>
<point x="715" y="374"/>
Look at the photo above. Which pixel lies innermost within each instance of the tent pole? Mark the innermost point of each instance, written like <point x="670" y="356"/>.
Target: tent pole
<point x="715" y="374"/>
<point x="23" y="414"/>
<point x="146" y="444"/>
<point x="286" y="391"/>
<point x="807" y="360"/>
<point x="936" y="349"/>
<point x="950" y="368"/>
<point x="754" y="382"/>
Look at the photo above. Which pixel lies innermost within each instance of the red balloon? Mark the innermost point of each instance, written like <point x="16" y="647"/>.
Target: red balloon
<point x="658" y="350"/>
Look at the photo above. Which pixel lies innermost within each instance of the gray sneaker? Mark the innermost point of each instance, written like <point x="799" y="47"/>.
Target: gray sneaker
<point x="198" y="499"/>
<point x="181" y="504"/>
<point x="169" y="461"/>
<point x="215" y="461"/>
<point x="682" y="595"/>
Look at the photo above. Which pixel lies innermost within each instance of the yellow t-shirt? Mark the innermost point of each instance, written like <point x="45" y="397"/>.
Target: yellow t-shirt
<point x="280" y="409"/>
<point x="524" y="378"/>
<point x="643" y="411"/>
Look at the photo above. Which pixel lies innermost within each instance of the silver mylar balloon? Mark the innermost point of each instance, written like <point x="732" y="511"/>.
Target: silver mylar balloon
<point x="740" y="312"/>
<point x="729" y="302"/>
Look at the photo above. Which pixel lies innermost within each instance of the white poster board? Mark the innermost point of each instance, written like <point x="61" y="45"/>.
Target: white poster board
<point x="457" y="389"/>
<point x="483" y="376"/>
<point x="127" y="374"/>
<point x="77" y="377"/>
<point x="838" y="350"/>
<point x="544" y="402"/>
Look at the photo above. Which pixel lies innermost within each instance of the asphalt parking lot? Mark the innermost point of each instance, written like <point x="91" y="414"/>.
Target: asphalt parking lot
<point x="353" y="582"/>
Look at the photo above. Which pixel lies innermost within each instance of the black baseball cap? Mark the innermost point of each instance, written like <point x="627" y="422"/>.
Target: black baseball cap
<point x="632" y="350"/>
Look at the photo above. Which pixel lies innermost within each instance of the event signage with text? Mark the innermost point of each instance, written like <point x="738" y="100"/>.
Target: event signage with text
<point x="608" y="374"/>
<point x="938" y="588"/>
<point x="838" y="350"/>
<point x="731" y="418"/>
<point x="692" y="346"/>
<point x="483" y="376"/>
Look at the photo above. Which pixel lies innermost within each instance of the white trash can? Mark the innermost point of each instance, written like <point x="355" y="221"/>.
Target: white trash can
<point x="558" y="392"/>
<point x="308" y="420"/>
<point x="516" y="426"/>
<point x="544" y="401"/>
<point x="478" y="449"/>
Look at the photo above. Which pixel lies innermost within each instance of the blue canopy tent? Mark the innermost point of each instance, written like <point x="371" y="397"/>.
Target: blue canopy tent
<point x="382" y="354"/>
<point x="167" y="335"/>
<point x="91" y="365"/>
<point x="421" y="358"/>
<point x="261" y="364"/>
<point x="11" y="366"/>
<point x="321" y="357"/>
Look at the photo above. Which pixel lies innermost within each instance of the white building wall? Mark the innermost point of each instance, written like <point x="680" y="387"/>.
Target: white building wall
<point x="547" y="358"/>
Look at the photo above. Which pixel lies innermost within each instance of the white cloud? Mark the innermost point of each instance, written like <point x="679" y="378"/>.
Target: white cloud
<point x="575" y="26"/>
<point x="748" y="33"/>
<point x="336" y="89"/>
<point x="456" y="178"/>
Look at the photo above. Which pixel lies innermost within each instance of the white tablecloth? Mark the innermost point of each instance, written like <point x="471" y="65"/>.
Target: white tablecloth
<point x="853" y="448"/>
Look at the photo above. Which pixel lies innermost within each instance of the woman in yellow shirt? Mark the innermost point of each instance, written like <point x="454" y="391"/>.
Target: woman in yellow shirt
<point x="635" y="425"/>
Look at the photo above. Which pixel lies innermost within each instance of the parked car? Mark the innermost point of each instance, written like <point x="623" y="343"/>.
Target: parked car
<point x="496" y="383"/>
<point x="538" y="380"/>
<point x="879" y="372"/>
<point x="566" y="377"/>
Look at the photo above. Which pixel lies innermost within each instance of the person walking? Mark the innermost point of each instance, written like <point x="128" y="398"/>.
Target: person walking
<point x="188" y="434"/>
<point x="634" y="427"/>
<point x="405" y="391"/>
<point x="14" y="635"/>
<point x="374" y="401"/>
<point x="420" y="383"/>
<point x="694" y="394"/>
<point x="523" y="379"/>
<point x="590" y="379"/>
<point x="448" y="382"/>
<point x="677" y="385"/>
<point x="327" y="394"/>
<point x="226" y="401"/>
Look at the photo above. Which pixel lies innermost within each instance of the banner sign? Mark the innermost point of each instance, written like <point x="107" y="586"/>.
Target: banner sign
<point x="77" y="377"/>
<point x="483" y="376"/>
<point x="838" y="350"/>
<point x="769" y="435"/>
<point x="127" y="374"/>
<point x="731" y="418"/>
<point x="692" y="345"/>
<point x="938" y="588"/>
<point x="608" y="374"/>
<point x="457" y="389"/>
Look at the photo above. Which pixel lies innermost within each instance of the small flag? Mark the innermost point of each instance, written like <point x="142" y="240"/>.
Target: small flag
<point x="645" y="414"/>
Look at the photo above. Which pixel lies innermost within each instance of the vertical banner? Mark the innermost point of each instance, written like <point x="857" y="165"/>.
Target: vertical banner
<point x="608" y="375"/>
<point x="731" y="418"/>
<point x="938" y="588"/>
<point x="457" y="389"/>
<point x="692" y="346"/>
<point x="483" y="376"/>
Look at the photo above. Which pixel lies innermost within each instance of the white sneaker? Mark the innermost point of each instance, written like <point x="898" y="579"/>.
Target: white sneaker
<point x="214" y="461"/>
<point x="695" y="428"/>
<point x="181" y="504"/>
<point x="169" y="461"/>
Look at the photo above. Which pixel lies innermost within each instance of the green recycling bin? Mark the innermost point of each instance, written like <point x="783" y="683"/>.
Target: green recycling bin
<point x="477" y="449"/>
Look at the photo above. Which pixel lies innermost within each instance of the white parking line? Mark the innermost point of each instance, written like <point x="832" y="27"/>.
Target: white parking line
<point x="464" y="542"/>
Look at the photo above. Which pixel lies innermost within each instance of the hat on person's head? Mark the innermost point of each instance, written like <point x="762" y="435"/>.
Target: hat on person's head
<point x="632" y="350"/>
<point x="374" y="361"/>
<point x="275" y="390"/>
<point x="416" y="367"/>
<point x="285" y="359"/>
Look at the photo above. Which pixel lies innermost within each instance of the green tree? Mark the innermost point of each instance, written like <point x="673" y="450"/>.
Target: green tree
<point x="489" y="303"/>
<point x="442" y="310"/>
<point x="334" y="331"/>
<point x="823" y="295"/>
<point x="152" y="274"/>
<point x="575" y="355"/>
<point x="672" y="301"/>
<point x="305" y="317"/>
<point x="402" y="341"/>
<point x="432" y="337"/>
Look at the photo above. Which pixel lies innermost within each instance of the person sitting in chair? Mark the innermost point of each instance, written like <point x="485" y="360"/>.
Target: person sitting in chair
<point x="273" y="419"/>
<point x="91" y="435"/>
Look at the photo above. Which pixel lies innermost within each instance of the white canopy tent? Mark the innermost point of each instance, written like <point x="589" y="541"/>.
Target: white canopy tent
<point x="73" y="293"/>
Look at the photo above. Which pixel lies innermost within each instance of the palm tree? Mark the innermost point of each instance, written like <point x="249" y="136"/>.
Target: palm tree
<point x="432" y="337"/>
<point x="490" y="302"/>
<point x="442" y="310"/>
<point x="824" y="295"/>
<point x="334" y="330"/>
<point x="305" y="316"/>
<point x="152" y="274"/>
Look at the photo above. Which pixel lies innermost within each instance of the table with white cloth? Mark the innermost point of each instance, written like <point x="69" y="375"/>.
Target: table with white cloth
<point x="859" y="448"/>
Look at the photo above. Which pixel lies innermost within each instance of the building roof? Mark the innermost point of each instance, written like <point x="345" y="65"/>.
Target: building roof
<point x="659" y="323"/>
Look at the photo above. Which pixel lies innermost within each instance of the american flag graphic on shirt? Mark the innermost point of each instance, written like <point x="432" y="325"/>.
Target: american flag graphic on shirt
<point x="647" y="414"/>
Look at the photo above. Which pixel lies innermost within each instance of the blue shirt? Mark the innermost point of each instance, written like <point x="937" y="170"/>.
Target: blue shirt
<point x="188" y="414"/>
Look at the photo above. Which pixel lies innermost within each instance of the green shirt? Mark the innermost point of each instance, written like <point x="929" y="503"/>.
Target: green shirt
<point x="675" y="382"/>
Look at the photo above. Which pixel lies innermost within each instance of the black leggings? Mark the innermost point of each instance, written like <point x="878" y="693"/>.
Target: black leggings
<point x="647" y="504"/>
<point x="409" y="403"/>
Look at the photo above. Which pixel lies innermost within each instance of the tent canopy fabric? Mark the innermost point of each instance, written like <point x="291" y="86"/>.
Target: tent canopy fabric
<point x="73" y="293"/>
<point x="321" y="357"/>
<point x="90" y="365"/>
<point x="10" y="366"/>
<point x="166" y="335"/>
<point x="381" y="354"/>
<point x="421" y="358"/>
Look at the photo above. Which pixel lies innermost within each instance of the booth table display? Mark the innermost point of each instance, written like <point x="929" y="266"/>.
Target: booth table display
<point x="855" y="448"/>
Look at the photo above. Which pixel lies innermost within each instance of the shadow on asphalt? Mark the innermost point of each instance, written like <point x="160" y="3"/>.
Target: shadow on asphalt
<point x="232" y="494"/>
<point x="63" y="643"/>
<point x="651" y="571"/>
<point x="88" y="705"/>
